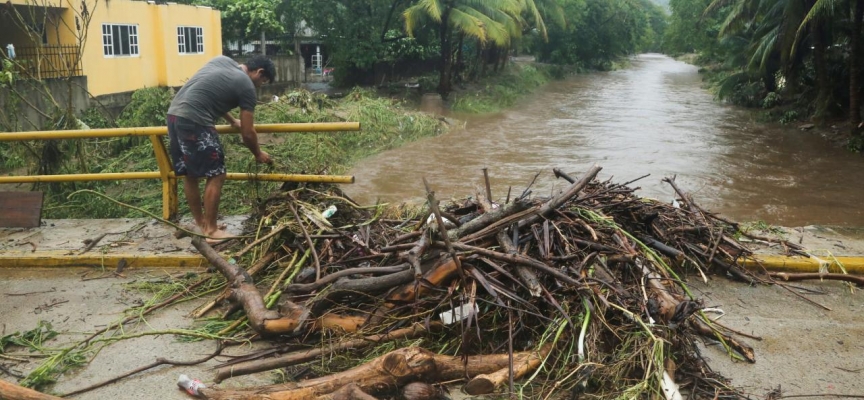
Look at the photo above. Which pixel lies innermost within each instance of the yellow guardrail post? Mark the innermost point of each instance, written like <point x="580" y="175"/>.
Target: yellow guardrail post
<point x="170" y="204"/>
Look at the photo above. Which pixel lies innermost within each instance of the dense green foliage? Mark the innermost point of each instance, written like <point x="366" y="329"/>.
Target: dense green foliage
<point x="599" y="31"/>
<point x="465" y="39"/>
<point x="799" y="59"/>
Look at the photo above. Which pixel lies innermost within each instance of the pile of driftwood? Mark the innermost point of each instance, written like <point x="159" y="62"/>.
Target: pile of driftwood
<point x="579" y="294"/>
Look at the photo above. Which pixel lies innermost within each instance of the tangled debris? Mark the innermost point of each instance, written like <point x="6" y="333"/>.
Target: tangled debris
<point x="580" y="294"/>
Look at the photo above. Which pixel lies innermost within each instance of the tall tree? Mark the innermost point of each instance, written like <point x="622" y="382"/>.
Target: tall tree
<point x="243" y="20"/>
<point x="598" y="31"/>
<point x="493" y="21"/>
<point x="360" y="33"/>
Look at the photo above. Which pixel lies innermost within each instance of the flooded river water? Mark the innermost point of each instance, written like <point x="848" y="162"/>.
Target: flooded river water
<point x="651" y="118"/>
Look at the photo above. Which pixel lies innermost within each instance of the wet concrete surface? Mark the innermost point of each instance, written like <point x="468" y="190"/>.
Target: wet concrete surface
<point x="805" y="349"/>
<point x="116" y="236"/>
<point x="77" y="307"/>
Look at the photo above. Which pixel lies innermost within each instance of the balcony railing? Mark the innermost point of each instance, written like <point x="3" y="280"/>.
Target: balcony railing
<point x="43" y="62"/>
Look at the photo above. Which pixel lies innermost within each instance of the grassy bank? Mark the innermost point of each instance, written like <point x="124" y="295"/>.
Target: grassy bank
<point x="501" y="91"/>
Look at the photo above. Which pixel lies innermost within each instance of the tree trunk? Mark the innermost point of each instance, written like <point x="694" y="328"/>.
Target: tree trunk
<point x="298" y="57"/>
<point x="386" y="27"/>
<point x="525" y="363"/>
<point x="459" y="69"/>
<point x="297" y="357"/>
<point x="444" y="84"/>
<point x="381" y="375"/>
<point x="263" y="43"/>
<point x="244" y="292"/>
<point x="855" y="69"/>
<point x="289" y="319"/>
<point x="484" y="58"/>
<point x="823" y="99"/>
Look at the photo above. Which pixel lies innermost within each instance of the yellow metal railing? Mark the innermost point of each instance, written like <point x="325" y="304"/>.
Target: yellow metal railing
<point x="166" y="171"/>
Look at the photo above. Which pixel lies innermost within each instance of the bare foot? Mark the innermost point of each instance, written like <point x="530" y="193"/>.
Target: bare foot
<point x="218" y="236"/>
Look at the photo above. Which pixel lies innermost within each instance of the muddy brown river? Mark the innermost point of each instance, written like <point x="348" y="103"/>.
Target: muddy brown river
<point x="653" y="118"/>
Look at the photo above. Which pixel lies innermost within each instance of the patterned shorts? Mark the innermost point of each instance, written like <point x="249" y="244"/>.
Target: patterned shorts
<point x="195" y="149"/>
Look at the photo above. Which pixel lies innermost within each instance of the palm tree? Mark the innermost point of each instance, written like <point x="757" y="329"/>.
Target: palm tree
<point x="781" y="34"/>
<point x="485" y="20"/>
<point x="826" y="10"/>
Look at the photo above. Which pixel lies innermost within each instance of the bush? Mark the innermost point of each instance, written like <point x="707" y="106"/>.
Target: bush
<point x="147" y="108"/>
<point x="95" y="119"/>
<point x="789" y="117"/>
<point x="771" y="99"/>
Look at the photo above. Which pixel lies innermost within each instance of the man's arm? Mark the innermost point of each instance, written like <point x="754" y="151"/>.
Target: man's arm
<point x="250" y="137"/>
<point x="232" y="121"/>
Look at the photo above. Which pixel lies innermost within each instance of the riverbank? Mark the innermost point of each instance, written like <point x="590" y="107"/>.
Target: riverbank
<point x="786" y="115"/>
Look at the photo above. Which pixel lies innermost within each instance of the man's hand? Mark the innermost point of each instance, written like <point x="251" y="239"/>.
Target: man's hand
<point x="235" y="124"/>
<point x="263" y="158"/>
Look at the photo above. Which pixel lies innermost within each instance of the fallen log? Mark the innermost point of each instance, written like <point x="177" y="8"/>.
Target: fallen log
<point x="297" y="357"/>
<point x="244" y="292"/>
<point x="11" y="391"/>
<point x="488" y="383"/>
<point x="382" y="375"/>
<point x="254" y="269"/>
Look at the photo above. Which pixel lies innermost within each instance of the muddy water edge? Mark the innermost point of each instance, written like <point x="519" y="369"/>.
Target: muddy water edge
<point x="654" y="117"/>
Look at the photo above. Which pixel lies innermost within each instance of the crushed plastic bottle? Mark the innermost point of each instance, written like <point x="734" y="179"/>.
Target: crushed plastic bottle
<point x="191" y="386"/>
<point x="327" y="213"/>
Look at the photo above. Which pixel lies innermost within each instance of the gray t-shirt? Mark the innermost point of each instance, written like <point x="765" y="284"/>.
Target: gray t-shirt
<point x="218" y="87"/>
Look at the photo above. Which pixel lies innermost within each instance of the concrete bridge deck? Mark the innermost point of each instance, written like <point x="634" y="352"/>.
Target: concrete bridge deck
<point x="805" y="349"/>
<point x="133" y="242"/>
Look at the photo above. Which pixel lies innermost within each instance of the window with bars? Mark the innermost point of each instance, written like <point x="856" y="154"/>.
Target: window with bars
<point x="119" y="40"/>
<point x="190" y="39"/>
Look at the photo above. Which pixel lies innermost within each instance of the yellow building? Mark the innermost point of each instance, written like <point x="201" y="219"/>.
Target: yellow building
<point x="119" y="45"/>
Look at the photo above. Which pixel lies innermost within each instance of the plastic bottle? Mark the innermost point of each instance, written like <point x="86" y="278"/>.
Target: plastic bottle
<point x="191" y="386"/>
<point x="327" y="213"/>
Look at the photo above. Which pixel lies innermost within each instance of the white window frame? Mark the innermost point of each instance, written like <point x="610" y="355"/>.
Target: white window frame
<point x="181" y="39"/>
<point x="109" y="39"/>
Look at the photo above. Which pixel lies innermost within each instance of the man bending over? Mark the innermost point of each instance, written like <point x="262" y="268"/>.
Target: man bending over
<point x="196" y="152"/>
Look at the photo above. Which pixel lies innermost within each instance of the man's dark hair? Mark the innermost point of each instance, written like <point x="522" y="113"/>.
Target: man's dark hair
<point x="261" y="62"/>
